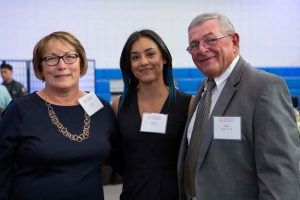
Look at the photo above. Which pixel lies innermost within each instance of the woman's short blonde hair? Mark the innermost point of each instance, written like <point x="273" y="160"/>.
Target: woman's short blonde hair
<point x="68" y="38"/>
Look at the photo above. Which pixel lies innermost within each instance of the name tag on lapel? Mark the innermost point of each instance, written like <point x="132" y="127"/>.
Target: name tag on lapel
<point x="228" y="128"/>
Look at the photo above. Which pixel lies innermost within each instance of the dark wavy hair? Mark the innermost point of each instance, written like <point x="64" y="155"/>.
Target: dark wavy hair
<point x="130" y="81"/>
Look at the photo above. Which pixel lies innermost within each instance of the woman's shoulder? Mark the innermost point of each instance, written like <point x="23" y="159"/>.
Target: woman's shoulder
<point x="183" y="95"/>
<point x="184" y="100"/>
<point x="115" y="103"/>
<point x="107" y="108"/>
<point x="26" y="99"/>
<point x="23" y="104"/>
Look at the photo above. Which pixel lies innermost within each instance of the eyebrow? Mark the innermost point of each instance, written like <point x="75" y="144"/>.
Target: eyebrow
<point x="65" y="53"/>
<point x="207" y="34"/>
<point x="148" y="49"/>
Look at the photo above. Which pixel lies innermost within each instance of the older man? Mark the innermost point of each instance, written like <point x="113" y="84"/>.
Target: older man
<point x="241" y="140"/>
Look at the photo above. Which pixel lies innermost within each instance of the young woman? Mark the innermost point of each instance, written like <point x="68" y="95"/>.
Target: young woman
<point x="151" y="116"/>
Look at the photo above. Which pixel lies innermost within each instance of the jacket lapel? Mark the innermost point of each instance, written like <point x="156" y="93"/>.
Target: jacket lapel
<point x="220" y="108"/>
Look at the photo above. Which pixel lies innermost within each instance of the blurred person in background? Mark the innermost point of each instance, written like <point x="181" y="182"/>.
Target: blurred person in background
<point x="151" y="116"/>
<point x="53" y="142"/>
<point x="5" y="98"/>
<point x="14" y="88"/>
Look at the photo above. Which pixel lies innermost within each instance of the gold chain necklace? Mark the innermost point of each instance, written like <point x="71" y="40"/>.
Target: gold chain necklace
<point x="78" y="138"/>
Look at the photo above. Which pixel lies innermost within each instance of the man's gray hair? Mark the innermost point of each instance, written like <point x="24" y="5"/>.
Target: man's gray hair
<point x="224" y="22"/>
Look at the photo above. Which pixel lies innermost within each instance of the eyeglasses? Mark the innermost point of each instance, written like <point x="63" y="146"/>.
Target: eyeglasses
<point x="54" y="60"/>
<point x="206" y="42"/>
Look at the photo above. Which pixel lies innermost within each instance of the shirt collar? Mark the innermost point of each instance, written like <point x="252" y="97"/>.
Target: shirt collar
<point x="224" y="76"/>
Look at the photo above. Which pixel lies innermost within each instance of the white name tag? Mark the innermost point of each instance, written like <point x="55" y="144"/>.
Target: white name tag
<point x="154" y="123"/>
<point x="228" y="128"/>
<point x="90" y="103"/>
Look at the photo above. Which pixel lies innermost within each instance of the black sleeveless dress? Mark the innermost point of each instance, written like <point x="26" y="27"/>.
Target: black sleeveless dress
<point x="148" y="161"/>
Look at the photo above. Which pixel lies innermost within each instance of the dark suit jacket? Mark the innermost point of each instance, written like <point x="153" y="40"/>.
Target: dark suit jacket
<point x="265" y="163"/>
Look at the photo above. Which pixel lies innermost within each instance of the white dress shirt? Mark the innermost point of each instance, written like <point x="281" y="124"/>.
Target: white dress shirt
<point x="220" y="83"/>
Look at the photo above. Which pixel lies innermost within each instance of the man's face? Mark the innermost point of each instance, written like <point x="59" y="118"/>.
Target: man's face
<point x="6" y="75"/>
<point x="212" y="58"/>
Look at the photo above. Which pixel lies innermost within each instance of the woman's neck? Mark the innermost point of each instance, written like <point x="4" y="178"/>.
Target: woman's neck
<point x="151" y="98"/>
<point x="152" y="91"/>
<point x="64" y="98"/>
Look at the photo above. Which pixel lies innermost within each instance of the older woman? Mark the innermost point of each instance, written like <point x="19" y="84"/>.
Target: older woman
<point x="151" y="117"/>
<point x="51" y="147"/>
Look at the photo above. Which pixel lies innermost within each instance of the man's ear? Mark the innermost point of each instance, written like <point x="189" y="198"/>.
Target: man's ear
<point x="236" y="42"/>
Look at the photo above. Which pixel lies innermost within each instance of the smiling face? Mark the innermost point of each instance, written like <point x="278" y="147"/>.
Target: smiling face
<point x="215" y="59"/>
<point x="62" y="76"/>
<point x="146" y="61"/>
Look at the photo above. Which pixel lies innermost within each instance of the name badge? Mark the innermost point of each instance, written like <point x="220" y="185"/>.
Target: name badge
<point x="90" y="103"/>
<point x="228" y="128"/>
<point x="154" y="123"/>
